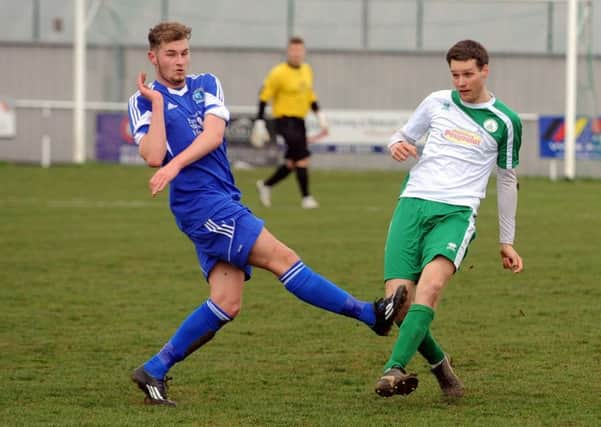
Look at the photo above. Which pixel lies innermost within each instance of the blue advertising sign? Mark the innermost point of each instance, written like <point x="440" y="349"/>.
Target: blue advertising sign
<point x="552" y="137"/>
<point x="114" y="142"/>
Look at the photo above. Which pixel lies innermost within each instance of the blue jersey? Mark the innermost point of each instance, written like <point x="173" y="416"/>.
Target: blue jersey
<point x="206" y="186"/>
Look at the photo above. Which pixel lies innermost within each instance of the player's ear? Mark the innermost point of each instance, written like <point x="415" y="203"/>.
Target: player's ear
<point x="152" y="57"/>
<point x="485" y="70"/>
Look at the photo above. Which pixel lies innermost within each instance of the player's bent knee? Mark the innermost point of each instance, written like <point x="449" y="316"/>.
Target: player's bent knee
<point x="283" y="259"/>
<point x="428" y="294"/>
<point x="287" y="257"/>
<point x="231" y="308"/>
<point x="230" y="304"/>
<point x="234" y="311"/>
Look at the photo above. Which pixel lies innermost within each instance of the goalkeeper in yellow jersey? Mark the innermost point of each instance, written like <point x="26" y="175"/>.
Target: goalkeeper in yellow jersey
<point x="289" y="87"/>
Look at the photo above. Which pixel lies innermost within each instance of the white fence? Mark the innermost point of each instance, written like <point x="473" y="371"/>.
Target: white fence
<point x="44" y="135"/>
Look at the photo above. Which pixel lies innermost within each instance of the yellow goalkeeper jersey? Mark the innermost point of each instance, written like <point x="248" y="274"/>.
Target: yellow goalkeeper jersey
<point x="290" y="89"/>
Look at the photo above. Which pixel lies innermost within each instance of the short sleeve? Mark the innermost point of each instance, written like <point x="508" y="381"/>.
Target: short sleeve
<point x="312" y="94"/>
<point x="270" y="85"/>
<point x="419" y="122"/>
<point x="214" y="99"/>
<point x="140" y="113"/>
<point x="509" y="149"/>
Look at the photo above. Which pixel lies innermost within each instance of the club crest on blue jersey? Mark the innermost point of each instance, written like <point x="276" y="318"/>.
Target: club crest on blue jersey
<point x="198" y="96"/>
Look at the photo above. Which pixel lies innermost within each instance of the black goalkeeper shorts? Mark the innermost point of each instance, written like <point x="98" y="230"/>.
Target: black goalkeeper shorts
<point x="293" y="130"/>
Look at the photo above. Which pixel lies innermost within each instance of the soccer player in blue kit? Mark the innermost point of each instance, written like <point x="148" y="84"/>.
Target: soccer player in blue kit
<point x="178" y="121"/>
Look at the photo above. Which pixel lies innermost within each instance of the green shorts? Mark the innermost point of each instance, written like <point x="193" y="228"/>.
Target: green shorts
<point x="422" y="229"/>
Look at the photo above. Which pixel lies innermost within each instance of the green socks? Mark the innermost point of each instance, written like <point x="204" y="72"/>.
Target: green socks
<point x="414" y="329"/>
<point x="430" y="349"/>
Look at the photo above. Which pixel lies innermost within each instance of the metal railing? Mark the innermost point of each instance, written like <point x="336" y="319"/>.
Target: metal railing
<point x="534" y="26"/>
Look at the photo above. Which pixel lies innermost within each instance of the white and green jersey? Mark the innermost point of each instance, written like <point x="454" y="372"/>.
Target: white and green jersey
<point x="463" y="144"/>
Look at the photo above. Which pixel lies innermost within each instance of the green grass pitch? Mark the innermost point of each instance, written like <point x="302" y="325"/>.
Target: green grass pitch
<point x="95" y="276"/>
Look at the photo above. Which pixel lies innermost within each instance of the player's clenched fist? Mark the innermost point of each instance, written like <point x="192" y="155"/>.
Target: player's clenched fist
<point x="402" y="150"/>
<point x="511" y="259"/>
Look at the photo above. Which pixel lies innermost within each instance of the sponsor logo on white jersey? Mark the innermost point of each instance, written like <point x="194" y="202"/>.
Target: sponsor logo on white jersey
<point x="461" y="136"/>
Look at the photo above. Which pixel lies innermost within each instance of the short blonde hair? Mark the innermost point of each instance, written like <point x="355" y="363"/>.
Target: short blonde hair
<point x="167" y="32"/>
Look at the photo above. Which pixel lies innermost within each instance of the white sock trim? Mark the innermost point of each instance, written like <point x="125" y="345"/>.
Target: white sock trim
<point x="436" y="365"/>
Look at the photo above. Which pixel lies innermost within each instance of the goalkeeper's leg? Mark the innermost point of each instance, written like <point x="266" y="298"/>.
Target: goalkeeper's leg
<point x="279" y="174"/>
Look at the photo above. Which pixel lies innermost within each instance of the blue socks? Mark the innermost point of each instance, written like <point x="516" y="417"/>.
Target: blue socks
<point x="200" y="326"/>
<point x="320" y="292"/>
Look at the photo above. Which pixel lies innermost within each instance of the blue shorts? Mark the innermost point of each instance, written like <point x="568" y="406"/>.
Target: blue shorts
<point x="229" y="239"/>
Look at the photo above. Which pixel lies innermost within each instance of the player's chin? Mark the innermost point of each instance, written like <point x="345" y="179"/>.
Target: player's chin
<point x="466" y="96"/>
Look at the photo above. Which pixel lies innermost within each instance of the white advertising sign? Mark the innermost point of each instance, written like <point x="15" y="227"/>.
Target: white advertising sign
<point x="358" y="127"/>
<point x="8" y="128"/>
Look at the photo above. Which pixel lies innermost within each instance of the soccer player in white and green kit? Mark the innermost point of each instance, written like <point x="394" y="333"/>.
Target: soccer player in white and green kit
<point x="469" y="132"/>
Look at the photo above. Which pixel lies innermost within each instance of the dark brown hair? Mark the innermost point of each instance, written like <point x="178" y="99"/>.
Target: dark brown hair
<point x="295" y="40"/>
<point x="466" y="50"/>
<point x="167" y="32"/>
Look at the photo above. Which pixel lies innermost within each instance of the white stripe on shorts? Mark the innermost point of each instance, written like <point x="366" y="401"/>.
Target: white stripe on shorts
<point x="226" y="230"/>
<point x="467" y="237"/>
